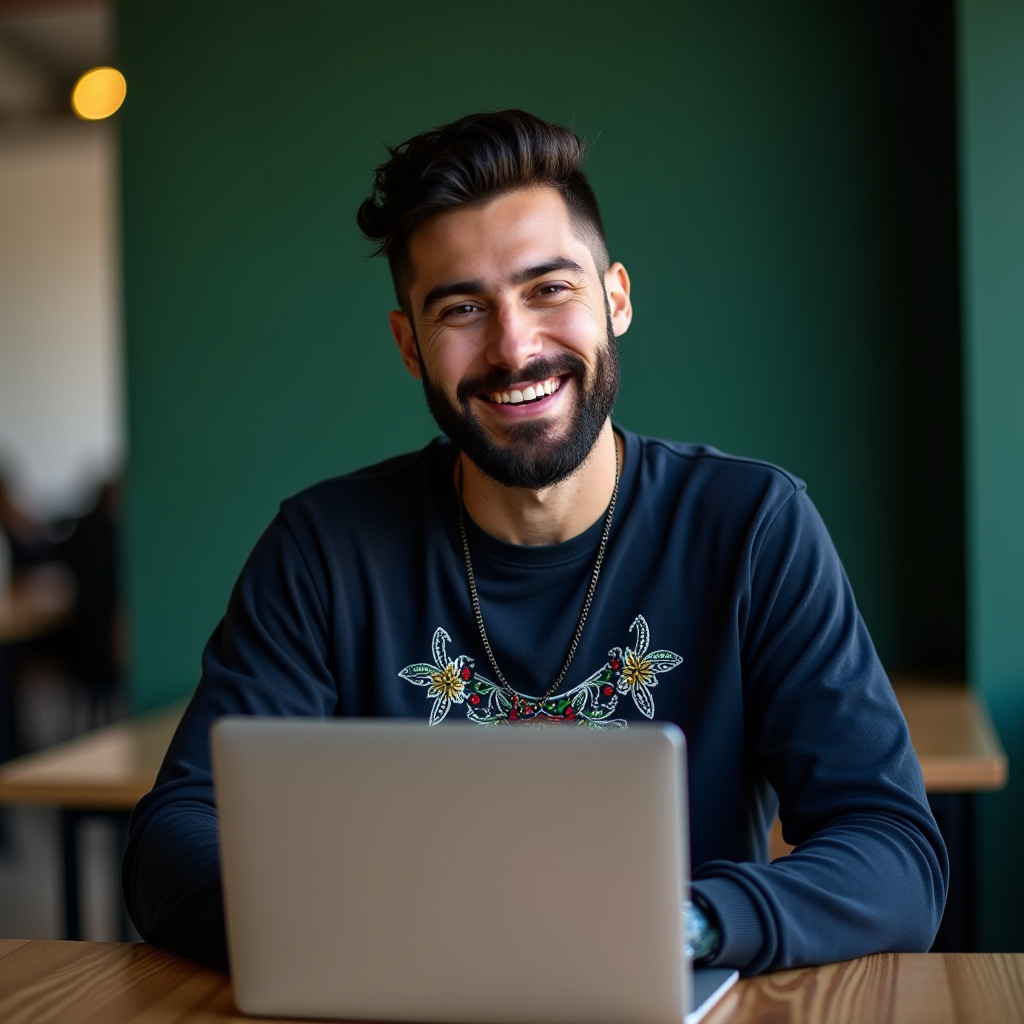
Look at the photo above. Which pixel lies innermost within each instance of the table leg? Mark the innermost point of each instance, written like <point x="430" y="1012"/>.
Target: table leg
<point x="6" y="735"/>
<point x="120" y="821"/>
<point x="7" y="706"/>
<point x="953" y="813"/>
<point x="69" y="820"/>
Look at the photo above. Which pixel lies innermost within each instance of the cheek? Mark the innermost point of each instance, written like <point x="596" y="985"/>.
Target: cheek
<point x="449" y="361"/>
<point x="575" y="325"/>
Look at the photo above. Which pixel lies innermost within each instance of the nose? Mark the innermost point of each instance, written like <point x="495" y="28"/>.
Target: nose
<point x="512" y="337"/>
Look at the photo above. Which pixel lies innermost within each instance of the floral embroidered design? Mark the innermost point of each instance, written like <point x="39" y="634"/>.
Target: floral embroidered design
<point x="633" y="671"/>
<point x="446" y="680"/>
<point x="641" y="669"/>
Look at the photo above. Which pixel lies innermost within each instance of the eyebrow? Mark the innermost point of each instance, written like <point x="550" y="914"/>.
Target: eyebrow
<point x="443" y="291"/>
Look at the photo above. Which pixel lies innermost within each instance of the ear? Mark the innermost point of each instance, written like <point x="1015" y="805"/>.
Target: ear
<point x="401" y="329"/>
<point x="616" y="286"/>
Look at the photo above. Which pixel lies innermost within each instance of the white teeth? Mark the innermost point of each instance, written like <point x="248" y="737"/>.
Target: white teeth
<point x="528" y="394"/>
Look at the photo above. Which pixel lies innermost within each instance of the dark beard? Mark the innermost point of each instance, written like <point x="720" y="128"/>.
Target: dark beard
<point x="528" y="458"/>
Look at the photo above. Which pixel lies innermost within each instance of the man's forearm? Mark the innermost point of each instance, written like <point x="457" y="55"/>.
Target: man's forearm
<point x="171" y="881"/>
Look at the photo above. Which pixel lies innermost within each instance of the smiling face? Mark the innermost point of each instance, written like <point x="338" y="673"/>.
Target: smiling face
<point x="512" y="329"/>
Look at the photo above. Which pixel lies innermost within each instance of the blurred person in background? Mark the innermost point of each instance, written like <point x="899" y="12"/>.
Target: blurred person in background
<point x="26" y="537"/>
<point x="91" y="552"/>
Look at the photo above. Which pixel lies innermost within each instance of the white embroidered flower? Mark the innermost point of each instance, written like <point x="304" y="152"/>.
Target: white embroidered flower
<point x="446" y="680"/>
<point x="640" y="670"/>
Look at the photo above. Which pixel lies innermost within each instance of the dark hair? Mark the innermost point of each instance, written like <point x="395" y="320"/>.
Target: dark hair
<point x="470" y="161"/>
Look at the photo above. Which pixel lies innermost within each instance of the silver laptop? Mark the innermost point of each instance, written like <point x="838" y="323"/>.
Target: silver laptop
<point x="384" y="870"/>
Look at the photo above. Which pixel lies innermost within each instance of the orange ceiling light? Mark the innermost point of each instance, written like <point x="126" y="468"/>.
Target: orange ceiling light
<point x="98" y="94"/>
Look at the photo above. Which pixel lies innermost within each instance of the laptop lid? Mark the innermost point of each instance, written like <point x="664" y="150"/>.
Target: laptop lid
<point x="383" y="870"/>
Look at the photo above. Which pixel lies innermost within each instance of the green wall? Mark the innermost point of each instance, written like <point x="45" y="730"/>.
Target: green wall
<point x="772" y="175"/>
<point x="992" y="118"/>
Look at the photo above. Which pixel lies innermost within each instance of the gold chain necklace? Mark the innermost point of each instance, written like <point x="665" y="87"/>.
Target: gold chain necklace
<point x="586" y="603"/>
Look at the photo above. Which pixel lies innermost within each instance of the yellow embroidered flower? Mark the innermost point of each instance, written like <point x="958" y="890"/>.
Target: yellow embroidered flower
<point x="638" y="671"/>
<point x="446" y="683"/>
<point x="641" y="667"/>
<point x="446" y="680"/>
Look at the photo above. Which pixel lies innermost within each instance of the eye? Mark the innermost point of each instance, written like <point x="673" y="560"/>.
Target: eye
<point x="460" y="311"/>
<point x="552" y="290"/>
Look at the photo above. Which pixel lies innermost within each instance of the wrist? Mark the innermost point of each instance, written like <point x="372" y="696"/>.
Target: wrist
<point x="702" y="935"/>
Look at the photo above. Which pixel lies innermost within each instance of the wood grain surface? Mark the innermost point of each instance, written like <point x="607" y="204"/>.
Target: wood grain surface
<point x="890" y="988"/>
<point x="125" y="983"/>
<point x="113" y="983"/>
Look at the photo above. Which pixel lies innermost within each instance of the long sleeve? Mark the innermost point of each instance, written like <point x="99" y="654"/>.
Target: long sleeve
<point x="268" y="656"/>
<point x="869" y="871"/>
<point x="730" y="570"/>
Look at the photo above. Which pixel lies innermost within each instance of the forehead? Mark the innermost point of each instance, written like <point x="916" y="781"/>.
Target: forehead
<point x="488" y="243"/>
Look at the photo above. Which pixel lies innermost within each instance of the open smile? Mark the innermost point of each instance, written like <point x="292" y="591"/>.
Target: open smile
<point x="535" y="391"/>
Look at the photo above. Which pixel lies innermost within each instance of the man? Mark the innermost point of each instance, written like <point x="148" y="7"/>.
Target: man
<point x="539" y="565"/>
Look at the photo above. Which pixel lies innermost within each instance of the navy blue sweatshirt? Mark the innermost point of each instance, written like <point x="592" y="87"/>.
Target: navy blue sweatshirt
<point x="721" y="606"/>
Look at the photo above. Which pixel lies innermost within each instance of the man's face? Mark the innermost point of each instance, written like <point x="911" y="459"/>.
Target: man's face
<point x="513" y="332"/>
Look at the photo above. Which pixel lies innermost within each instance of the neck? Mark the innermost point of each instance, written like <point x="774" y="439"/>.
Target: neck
<point x="554" y="514"/>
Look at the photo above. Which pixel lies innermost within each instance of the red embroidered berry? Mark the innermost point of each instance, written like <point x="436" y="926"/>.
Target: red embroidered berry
<point x="474" y="698"/>
<point x="465" y="673"/>
<point x="608" y="691"/>
<point x="615" y="664"/>
<point x="569" y="713"/>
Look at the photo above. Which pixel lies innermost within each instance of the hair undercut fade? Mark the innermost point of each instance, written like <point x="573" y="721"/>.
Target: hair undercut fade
<point x="470" y="162"/>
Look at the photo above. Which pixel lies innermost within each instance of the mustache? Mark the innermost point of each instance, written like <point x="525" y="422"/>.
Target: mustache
<point x="540" y="369"/>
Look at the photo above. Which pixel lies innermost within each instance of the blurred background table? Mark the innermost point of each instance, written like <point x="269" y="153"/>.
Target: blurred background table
<point x="960" y="755"/>
<point x="133" y="983"/>
<point x="953" y="736"/>
<point x="101" y="774"/>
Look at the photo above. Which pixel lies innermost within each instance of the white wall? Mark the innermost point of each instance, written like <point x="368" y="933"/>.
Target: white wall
<point x="60" y="354"/>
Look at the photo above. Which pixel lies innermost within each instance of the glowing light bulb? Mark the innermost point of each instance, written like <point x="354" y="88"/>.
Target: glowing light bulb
<point x="98" y="93"/>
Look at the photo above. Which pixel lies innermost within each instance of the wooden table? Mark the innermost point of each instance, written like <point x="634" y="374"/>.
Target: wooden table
<point x="111" y="768"/>
<point x="125" y="983"/>
<point x="101" y="774"/>
<point x="960" y="756"/>
<point x="952" y="735"/>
